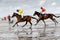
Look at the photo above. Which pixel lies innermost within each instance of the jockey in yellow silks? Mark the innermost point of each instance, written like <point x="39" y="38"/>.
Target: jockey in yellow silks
<point x="20" y="12"/>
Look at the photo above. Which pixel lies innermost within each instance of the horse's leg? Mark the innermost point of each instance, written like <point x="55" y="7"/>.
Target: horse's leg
<point x="44" y="34"/>
<point x="55" y="20"/>
<point x="37" y="22"/>
<point x="9" y="22"/>
<point x="14" y="24"/>
<point x="30" y="23"/>
<point x="17" y="24"/>
<point x="55" y="24"/>
<point x="25" y="24"/>
<point x="30" y="27"/>
<point x="44" y="22"/>
<point x="44" y="26"/>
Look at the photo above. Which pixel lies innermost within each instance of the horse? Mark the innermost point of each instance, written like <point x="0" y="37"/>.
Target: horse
<point x="26" y="18"/>
<point x="44" y="17"/>
<point x="9" y="19"/>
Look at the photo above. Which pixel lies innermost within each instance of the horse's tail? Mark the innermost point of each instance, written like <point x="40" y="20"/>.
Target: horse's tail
<point x="56" y="16"/>
<point x="34" y="18"/>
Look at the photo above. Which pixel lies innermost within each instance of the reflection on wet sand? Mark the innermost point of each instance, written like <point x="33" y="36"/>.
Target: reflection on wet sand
<point x="25" y="38"/>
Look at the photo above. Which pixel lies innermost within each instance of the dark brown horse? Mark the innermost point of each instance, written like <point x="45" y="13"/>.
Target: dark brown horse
<point x="44" y="17"/>
<point x="20" y="19"/>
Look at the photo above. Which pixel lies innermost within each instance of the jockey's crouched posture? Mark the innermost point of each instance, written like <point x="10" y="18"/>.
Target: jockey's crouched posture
<point x="20" y="12"/>
<point x="43" y="10"/>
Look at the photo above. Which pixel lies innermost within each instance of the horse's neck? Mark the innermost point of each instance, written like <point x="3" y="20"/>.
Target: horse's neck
<point x="18" y="16"/>
<point x="39" y="15"/>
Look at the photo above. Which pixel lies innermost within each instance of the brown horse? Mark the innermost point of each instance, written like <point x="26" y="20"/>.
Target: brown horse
<point x="20" y="19"/>
<point x="44" y="17"/>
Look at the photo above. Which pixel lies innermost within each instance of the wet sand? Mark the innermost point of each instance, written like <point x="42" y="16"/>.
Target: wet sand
<point x="20" y="32"/>
<point x="25" y="38"/>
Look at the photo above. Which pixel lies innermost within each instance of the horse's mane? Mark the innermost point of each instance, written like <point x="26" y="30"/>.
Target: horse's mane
<point x="18" y="14"/>
<point x="38" y="12"/>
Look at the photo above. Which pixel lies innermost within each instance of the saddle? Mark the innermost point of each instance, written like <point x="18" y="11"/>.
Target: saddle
<point x="44" y="14"/>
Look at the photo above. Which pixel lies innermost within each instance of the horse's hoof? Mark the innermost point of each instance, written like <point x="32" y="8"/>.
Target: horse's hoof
<point x="52" y="32"/>
<point x="12" y="26"/>
<point x="35" y="24"/>
<point x="27" y="33"/>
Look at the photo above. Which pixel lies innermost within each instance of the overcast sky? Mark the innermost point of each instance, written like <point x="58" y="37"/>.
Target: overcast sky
<point x="29" y="6"/>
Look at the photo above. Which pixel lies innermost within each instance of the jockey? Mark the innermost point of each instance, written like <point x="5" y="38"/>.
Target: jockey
<point x="43" y="10"/>
<point x="20" y="12"/>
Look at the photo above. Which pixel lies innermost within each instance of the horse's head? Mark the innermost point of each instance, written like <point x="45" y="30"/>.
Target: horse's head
<point x="14" y="14"/>
<point x="35" y="13"/>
